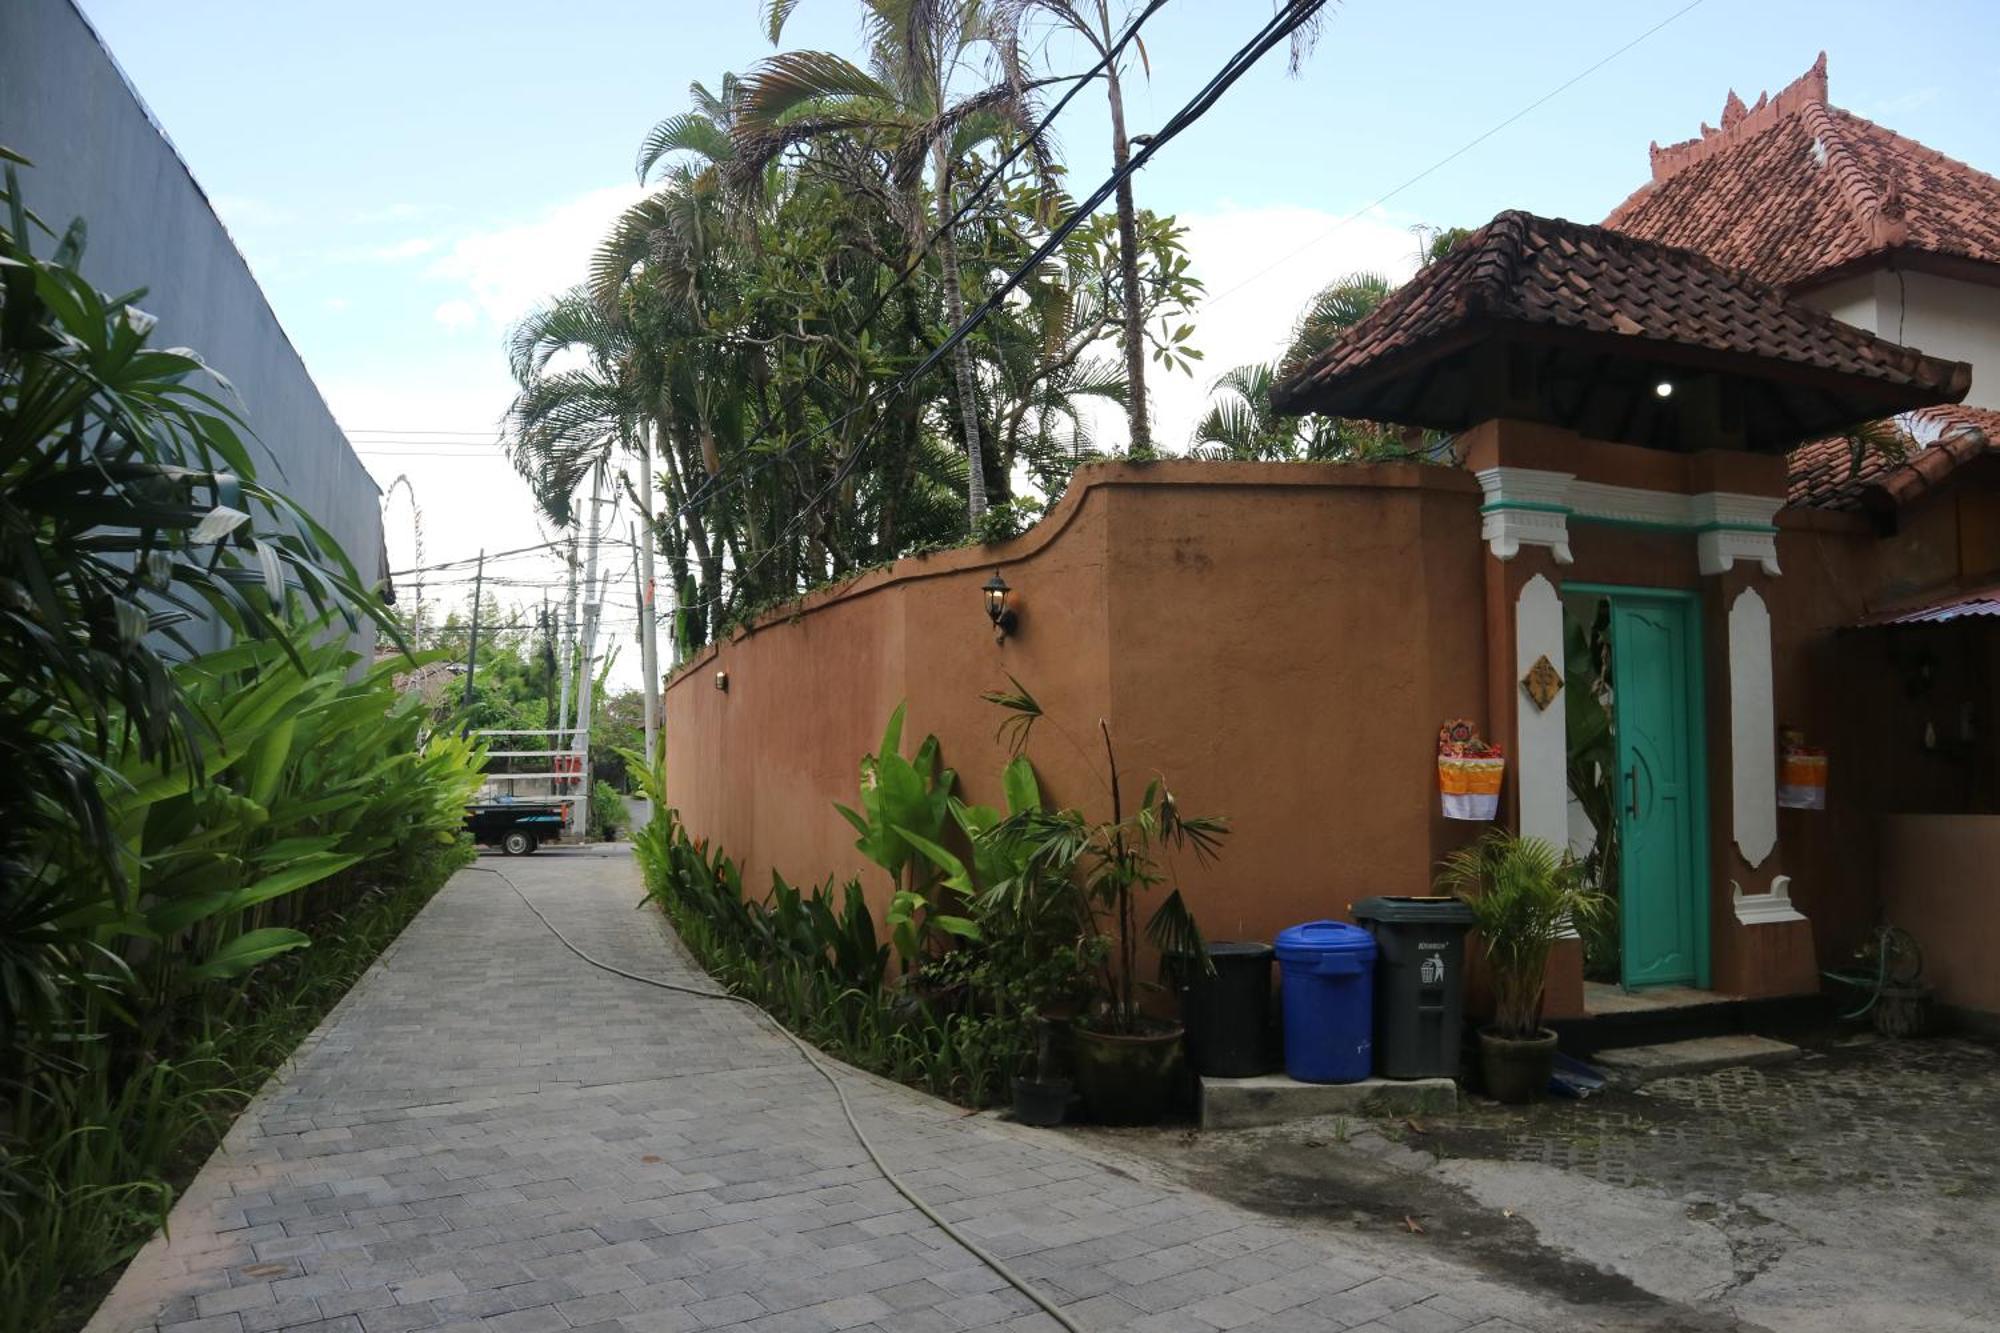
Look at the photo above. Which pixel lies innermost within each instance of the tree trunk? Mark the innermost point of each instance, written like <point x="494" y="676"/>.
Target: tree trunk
<point x="961" y="355"/>
<point x="1128" y="256"/>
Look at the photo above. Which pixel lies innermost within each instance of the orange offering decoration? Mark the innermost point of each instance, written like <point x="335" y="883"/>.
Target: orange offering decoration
<point x="1469" y="772"/>
<point x="1802" y="778"/>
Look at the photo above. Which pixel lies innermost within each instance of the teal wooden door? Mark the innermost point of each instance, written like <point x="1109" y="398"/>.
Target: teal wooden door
<point x="1663" y="874"/>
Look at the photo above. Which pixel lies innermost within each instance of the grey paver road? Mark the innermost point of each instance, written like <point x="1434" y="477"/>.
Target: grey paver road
<point x="488" y="1134"/>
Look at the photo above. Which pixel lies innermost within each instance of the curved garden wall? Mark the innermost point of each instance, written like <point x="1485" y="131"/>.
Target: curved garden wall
<point x="1281" y="641"/>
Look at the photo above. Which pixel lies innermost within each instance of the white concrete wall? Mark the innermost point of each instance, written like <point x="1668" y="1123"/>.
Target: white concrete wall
<point x="1942" y="316"/>
<point x="98" y="155"/>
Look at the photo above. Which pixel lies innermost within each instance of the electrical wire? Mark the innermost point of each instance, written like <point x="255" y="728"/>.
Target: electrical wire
<point x="715" y="486"/>
<point x="812" y="1057"/>
<point x="1280" y="26"/>
<point x="1447" y="159"/>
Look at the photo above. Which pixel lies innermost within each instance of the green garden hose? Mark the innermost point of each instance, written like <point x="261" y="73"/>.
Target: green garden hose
<point x="804" y="1048"/>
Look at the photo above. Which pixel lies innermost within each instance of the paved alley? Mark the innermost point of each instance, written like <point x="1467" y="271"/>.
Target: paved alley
<point x="488" y="1134"/>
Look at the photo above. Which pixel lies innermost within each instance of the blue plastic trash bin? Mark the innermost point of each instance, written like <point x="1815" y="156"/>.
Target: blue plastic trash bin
<point x="1327" y="971"/>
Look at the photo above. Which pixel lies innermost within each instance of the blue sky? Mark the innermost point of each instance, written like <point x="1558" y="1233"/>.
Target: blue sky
<point x="405" y="178"/>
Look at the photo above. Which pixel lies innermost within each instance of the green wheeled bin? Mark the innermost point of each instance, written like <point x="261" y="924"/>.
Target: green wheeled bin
<point x="1419" y="983"/>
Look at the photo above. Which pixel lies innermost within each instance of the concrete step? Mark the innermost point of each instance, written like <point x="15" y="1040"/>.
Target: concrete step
<point x="1639" y="1064"/>
<point x="1274" y="1099"/>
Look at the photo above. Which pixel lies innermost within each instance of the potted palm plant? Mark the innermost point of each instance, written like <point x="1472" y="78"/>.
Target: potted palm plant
<point x="1524" y="894"/>
<point x="1126" y="1061"/>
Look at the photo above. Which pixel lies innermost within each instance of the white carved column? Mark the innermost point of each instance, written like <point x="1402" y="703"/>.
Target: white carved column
<point x="1542" y="743"/>
<point x="1753" y="758"/>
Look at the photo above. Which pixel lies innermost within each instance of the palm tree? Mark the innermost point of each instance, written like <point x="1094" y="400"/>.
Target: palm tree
<point x="570" y="423"/>
<point x="1091" y="20"/>
<point x="1241" y="424"/>
<point x="908" y="99"/>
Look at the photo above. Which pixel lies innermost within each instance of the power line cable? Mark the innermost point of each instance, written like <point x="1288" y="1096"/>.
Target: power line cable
<point x="1448" y="158"/>
<point x="1280" y="26"/>
<point x="715" y="486"/>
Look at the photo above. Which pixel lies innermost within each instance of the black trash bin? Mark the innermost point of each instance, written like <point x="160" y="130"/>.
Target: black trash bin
<point x="1228" y="1013"/>
<point x="1419" y="983"/>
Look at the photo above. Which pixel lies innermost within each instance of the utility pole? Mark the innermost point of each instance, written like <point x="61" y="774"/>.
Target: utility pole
<point x="592" y="601"/>
<point x="643" y="596"/>
<point x="472" y="650"/>
<point x="568" y="648"/>
<point x="649" y="644"/>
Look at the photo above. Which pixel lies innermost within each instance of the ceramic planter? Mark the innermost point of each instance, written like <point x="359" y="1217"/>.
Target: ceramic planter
<point x="1517" y="1070"/>
<point x="1127" y="1079"/>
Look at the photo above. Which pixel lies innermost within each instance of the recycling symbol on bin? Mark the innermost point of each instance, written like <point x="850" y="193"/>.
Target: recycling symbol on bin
<point x="1432" y="972"/>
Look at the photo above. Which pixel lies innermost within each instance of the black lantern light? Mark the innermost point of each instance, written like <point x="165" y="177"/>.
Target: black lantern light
<point x="997" y="610"/>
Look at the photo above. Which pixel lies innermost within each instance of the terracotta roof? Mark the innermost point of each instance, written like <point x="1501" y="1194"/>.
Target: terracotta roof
<point x="1627" y="312"/>
<point x="1794" y="187"/>
<point x="1937" y="441"/>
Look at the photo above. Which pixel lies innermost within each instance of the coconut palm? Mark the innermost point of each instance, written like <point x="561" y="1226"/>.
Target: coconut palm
<point x="921" y="52"/>
<point x="1092" y="21"/>
<point x="1241" y="423"/>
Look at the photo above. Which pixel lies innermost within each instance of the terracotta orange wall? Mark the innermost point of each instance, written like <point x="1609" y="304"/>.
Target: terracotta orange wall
<point x="1848" y="689"/>
<point x="1939" y="883"/>
<point x="1288" y="640"/>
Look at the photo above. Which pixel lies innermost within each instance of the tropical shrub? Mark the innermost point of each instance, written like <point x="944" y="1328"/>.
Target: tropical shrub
<point x="314" y="817"/>
<point x="607" y="809"/>
<point x="1524" y="893"/>
<point x="1112" y="861"/>
<point x="905" y="806"/>
<point x="179" y="827"/>
<point x="1030" y="921"/>
<point x="129" y="508"/>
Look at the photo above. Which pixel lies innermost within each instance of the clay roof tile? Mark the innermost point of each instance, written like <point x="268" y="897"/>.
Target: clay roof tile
<point x="1794" y="187"/>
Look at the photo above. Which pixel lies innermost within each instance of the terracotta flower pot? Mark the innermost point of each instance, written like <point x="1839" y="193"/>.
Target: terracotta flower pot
<point x="1517" y="1070"/>
<point x="1127" y="1079"/>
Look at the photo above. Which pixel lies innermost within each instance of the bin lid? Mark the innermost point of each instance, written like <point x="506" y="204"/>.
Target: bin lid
<point x="1238" y="949"/>
<point x="1422" y="911"/>
<point x="1313" y="938"/>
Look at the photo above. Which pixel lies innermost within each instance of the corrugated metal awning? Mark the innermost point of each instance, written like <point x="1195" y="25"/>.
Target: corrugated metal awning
<point x="1953" y="606"/>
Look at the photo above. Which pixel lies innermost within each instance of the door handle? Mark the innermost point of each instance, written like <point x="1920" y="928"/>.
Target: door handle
<point x="1632" y="790"/>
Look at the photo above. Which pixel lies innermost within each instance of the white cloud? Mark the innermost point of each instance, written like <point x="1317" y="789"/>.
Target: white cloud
<point x="246" y="211"/>
<point x="413" y="248"/>
<point x="456" y="315"/>
<point x="507" y="270"/>
<point x="337" y="303"/>
<point x="1260" y="266"/>
<point x="399" y="212"/>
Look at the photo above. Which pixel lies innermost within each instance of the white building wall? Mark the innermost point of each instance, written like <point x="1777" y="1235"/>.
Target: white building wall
<point x="1941" y="316"/>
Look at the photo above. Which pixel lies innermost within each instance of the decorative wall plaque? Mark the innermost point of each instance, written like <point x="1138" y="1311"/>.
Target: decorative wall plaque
<point x="1543" y="682"/>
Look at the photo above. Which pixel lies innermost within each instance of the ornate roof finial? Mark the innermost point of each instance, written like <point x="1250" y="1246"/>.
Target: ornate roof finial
<point x="1733" y="110"/>
<point x="1889" y="225"/>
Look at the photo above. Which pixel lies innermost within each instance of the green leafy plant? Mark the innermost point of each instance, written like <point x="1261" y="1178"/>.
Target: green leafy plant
<point x="607" y="809"/>
<point x="129" y="507"/>
<point x="1593" y="777"/>
<point x="183" y="830"/>
<point x="1113" y="862"/>
<point x="905" y="803"/>
<point x="1524" y="893"/>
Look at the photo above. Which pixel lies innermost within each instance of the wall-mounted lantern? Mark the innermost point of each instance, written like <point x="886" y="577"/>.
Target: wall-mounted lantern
<point x="997" y="610"/>
<point x="722" y="681"/>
